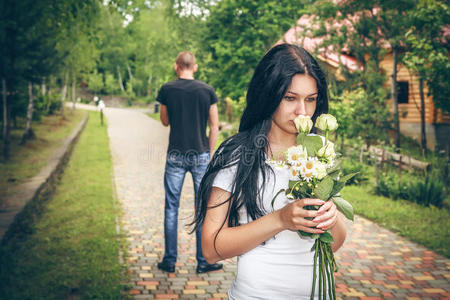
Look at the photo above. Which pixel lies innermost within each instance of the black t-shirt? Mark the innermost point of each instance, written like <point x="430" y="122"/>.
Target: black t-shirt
<point x="188" y="102"/>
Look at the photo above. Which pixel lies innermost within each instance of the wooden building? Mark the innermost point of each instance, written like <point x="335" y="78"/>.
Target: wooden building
<point x="437" y="124"/>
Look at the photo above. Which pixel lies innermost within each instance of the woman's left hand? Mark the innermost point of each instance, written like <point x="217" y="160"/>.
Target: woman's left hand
<point x="327" y="215"/>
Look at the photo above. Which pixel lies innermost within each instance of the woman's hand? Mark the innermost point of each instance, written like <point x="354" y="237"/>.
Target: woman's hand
<point x="327" y="216"/>
<point x="293" y="216"/>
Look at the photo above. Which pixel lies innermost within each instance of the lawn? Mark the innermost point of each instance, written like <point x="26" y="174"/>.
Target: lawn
<point x="27" y="160"/>
<point x="70" y="249"/>
<point x="428" y="226"/>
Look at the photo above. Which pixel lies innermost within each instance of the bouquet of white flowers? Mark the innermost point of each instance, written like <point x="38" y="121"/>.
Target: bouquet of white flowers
<point x="315" y="173"/>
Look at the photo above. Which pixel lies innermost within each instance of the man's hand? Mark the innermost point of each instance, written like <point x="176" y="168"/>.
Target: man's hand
<point x="164" y="115"/>
<point x="213" y="127"/>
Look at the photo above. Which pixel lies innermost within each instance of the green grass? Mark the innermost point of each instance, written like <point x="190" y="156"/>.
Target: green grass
<point x="154" y="116"/>
<point x="71" y="248"/>
<point x="27" y="160"/>
<point x="428" y="226"/>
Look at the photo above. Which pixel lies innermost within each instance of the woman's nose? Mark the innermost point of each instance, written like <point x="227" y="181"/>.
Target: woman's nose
<point x="300" y="109"/>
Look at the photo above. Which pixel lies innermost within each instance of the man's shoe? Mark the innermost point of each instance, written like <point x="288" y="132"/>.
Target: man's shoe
<point x="166" y="267"/>
<point x="203" y="268"/>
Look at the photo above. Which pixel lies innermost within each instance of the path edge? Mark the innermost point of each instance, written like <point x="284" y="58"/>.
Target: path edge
<point x="43" y="186"/>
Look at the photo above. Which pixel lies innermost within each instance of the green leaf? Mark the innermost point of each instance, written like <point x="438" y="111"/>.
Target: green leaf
<point x="326" y="237"/>
<point x="323" y="189"/>
<point x="312" y="143"/>
<point x="301" y="139"/>
<point x="335" y="168"/>
<point x="338" y="185"/>
<point x="344" y="207"/>
<point x="347" y="177"/>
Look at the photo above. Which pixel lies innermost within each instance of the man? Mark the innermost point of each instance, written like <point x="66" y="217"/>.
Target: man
<point x="187" y="105"/>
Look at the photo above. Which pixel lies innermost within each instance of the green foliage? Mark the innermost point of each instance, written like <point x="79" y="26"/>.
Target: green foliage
<point x="427" y="190"/>
<point x="111" y="84"/>
<point x="351" y="166"/>
<point x="370" y="119"/>
<point x="238" y="33"/>
<point x="95" y="82"/>
<point x="427" y="53"/>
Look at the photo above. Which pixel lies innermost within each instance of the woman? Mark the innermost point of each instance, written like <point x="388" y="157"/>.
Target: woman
<point x="234" y="204"/>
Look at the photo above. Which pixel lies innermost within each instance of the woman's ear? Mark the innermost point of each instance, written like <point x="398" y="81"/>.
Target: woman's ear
<point x="195" y="68"/>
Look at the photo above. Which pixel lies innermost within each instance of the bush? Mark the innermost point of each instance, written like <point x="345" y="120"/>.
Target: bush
<point x="387" y="185"/>
<point x="351" y="166"/>
<point x="425" y="191"/>
<point x="429" y="191"/>
<point x="111" y="84"/>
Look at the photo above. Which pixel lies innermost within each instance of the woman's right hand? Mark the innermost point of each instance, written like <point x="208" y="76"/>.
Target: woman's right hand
<point x="293" y="216"/>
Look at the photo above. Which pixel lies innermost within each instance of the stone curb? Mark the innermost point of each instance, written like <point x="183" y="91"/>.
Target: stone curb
<point x="40" y="184"/>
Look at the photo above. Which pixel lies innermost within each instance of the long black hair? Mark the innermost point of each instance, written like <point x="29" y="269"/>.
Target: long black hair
<point x="246" y="151"/>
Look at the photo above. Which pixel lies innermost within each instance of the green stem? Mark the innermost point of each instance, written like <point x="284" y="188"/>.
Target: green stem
<point x="320" y="269"/>
<point x="315" y="268"/>
<point x="332" y="282"/>
<point x="328" y="270"/>
<point x="324" y="277"/>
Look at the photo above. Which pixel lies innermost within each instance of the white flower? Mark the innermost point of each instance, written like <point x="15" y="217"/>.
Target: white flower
<point x="303" y="124"/>
<point x="296" y="154"/>
<point x="321" y="169"/>
<point x="327" y="151"/>
<point x="294" y="173"/>
<point x="326" y="122"/>
<point x="308" y="169"/>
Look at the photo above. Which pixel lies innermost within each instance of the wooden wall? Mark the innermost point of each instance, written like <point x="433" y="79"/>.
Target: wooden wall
<point x="410" y="112"/>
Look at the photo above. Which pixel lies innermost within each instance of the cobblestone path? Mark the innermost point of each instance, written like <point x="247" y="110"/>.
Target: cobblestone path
<point x="374" y="262"/>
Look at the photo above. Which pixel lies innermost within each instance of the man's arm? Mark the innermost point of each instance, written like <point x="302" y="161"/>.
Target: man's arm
<point x="213" y="127"/>
<point x="164" y="115"/>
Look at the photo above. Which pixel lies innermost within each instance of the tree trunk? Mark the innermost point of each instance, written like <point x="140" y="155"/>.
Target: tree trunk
<point x="63" y="95"/>
<point x="120" y="80"/>
<point x="5" y="121"/>
<point x="395" y="100"/>
<point x="49" y="100"/>
<point x="29" y="134"/>
<point x="73" y="94"/>
<point x="149" y="88"/>
<point x="130" y="86"/>
<point x="422" y="117"/>
<point x="43" y="87"/>
<point x="129" y="71"/>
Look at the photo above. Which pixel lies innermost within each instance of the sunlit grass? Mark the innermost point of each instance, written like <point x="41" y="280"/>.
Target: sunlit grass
<point x="428" y="226"/>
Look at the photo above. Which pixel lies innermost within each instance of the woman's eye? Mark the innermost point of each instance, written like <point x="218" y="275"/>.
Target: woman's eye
<point x="289" y="98"/>
<point x="311" y="99"/>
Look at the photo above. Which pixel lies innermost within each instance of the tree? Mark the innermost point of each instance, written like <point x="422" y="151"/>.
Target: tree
<point x="427" y="55"/>
<point x="353" y="27"/>
<point x="238" y="33"/>
<point x="395" y="22"/>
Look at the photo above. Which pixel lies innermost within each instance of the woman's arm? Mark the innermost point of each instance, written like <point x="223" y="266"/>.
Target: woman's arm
<point x="233" y="241"/>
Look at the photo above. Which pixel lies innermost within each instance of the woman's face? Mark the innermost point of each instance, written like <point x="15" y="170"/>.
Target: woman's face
<point x="300" y="99"/>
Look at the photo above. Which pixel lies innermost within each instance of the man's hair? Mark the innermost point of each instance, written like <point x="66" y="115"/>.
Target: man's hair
<point x="185" y="60"/>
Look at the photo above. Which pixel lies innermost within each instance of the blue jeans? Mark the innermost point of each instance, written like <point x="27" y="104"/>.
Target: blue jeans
<point x="177" y="165"/>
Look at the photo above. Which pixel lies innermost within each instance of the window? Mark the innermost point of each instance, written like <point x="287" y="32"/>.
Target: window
<point x="403" y="91"/>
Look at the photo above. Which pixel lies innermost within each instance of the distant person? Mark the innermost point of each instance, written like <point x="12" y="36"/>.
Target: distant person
<point x="187" y="105"/>
<point x="101" y="107"/>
